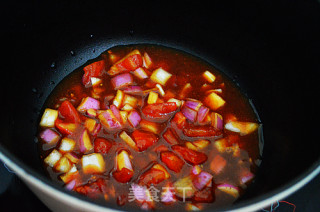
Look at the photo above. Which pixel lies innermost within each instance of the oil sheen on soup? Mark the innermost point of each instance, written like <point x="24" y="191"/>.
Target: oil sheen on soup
<point x="150" y="127"/>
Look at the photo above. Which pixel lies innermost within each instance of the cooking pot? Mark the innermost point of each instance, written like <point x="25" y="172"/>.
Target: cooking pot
<point x="269" y="48"/>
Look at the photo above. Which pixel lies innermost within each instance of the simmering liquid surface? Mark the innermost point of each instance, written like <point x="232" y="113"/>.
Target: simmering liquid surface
<point x="222" y="145"/>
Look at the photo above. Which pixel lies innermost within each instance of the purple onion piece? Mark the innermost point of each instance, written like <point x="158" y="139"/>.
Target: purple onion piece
<point x="49" y="136"/>
<point x="247" y="177"/>
<point x="201" y="180"/>
<point x="134" y="118"/>
<point x="217" y="121"/>
<point x="194" y="105"/>
<point x="69" y="186"/>
<point x="189" y="113"/>
<point x="115" y="112"/>
<point x="133" y="89"/>
<point x="89" y="103"/>
<point x="122" y="80"/>
<point x="202" y="113"/>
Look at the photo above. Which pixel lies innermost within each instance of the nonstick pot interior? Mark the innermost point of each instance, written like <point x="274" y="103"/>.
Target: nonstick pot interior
<point x="269" y="49"/>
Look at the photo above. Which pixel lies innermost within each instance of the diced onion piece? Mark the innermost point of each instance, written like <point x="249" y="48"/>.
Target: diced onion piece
<point x="133" y="89"/>
<point x="217" y="121"/>
<point x="90" y="124"/>
<point x="209" y="76"/>
<point x="124" y="117"/>
<point x="243" y="128"/>
<point x="202" y="113"/>
<point x="70" y="175"/>
<point x="122" y="80"/>
<point x="190" y="114"/>
<point x="53" y="158"/>
<point x="131" y="100"/>
<point x="123" y="161"/>
<point x="221" y="145"/>
<point x="92" y="112"/>
<point x="134" y="118"/>
<point x="127" y="107"/>
<point x="108" y="120"/>
<point x="70" y="185"/>
<point x="184" y="187"/>
<point x="88" y="103"/>
<point x="160" y="76"/>
<point x="196" y="170"/>
<point x="85" y="144"/>
<point x="160" y="89"/>
<point x="201" y="144"/>
<point x="49" y="117"/>
<point x="229" y="189"/>
<point x="217" y="164"/>
<point x="246" y="177"/>
<point x="63" y="165"/>
<point x="116" y="112"/>
<point x="152" y="98"/>
<point x="49" y="136"/>
<point x="117" y="101"/>
<point x="93" y="163"/>
<point x="72" y="157"/>
<point x="140" y="73"/>
<point x="178" y="102"/>
<point x="150" y="126"/>
<point x="214" y="101"/>
<point x="95" y="81"/>
<point x="67" y="145"/>
<point x="160" y="167"/>
<point x="201" y="180"/>
<point x="193" y="104"/>
<point x="126" y="138"/>
<point x="185" y="90"/>
<point x="147" y="62"/>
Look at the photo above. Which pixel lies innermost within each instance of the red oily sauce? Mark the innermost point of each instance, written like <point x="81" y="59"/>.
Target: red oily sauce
<point x="150" y="127"/>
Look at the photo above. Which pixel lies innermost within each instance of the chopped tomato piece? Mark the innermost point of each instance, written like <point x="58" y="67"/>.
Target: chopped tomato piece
<point x="159" y="110"/>
<point x="205" y="195"/>
<point x="123" y="176"/>
<point x="152" y="176"/>
<point x="144" y="139"/>
<point x="65" y="128"/>
<point x="180" y="120"/>
<point x="92" y="189"/>
<point x="201" y="131"/>
<point x="130" y="62"/>
<point x="172" y="161"/>
<point x="171" y="136"/>
<point x="69" y="112"/>
<point x="93" y="70"/>
<point x="217" y="164"/>
<point x="191" y="156"/>
<point x="102" y="145"/>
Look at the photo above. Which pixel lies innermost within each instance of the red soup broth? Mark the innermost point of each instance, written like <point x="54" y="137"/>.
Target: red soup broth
<point x="150" y="127"/>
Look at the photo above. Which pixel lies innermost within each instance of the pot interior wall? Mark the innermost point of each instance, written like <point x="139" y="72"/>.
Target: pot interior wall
<point x="273" y="58"/>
